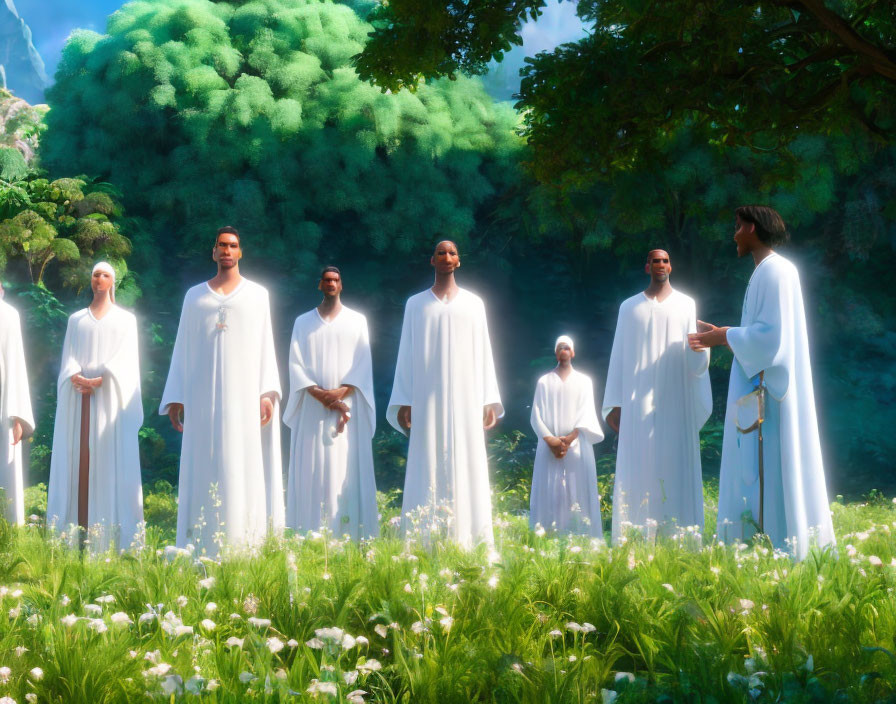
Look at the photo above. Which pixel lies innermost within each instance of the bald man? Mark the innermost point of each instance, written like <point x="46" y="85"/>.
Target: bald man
<point x="657" y="399"/>
<point x="445" y="397"/>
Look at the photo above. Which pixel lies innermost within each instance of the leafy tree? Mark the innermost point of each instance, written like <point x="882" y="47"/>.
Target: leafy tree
<point x="68" y="220"/>
<point x="251" y="113"/>
<point x="756" y="73"/>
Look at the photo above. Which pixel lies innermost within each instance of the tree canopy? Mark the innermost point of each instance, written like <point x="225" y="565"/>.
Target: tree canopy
<point x="251" y="113"/>
<point x="756" y="73"/>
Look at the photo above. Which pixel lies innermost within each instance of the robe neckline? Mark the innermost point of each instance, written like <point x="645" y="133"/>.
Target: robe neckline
<point x="562" y="380"/>
<point x="756" y="268"/>
<point x="446" y="302"/>
<point x="99" y="320"/>
<point x="324" y="320"/>
<point x="225" y="296"/>
<point x="657" y="301"/>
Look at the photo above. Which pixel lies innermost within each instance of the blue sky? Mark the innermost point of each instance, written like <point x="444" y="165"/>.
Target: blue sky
<point x="52" y="21"/>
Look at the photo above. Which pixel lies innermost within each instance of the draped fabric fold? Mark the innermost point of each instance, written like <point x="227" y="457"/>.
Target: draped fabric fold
<point x="106" y="348"/>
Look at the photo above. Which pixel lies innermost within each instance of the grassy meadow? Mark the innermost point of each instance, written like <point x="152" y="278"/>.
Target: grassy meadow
<point x="542" y="619"/>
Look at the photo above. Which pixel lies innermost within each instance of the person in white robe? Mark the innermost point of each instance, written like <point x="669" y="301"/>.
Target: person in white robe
<point x="772" y="340"/>
<point x="16" y="416"/>
<point x="330" y="411"/>
<point x="657" y="398"/>
<point x="223" y="393"/>
<point x="564" y="494"/>
<point x="96" y="484"/>
<point x="445" y="396"/>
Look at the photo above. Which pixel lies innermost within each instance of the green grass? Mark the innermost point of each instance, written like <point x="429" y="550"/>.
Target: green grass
<point x="550" y="620"/>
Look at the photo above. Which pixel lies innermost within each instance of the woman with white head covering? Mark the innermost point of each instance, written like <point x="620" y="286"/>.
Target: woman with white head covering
<point x="564" y="482"/>
<point x="95" y="479"/>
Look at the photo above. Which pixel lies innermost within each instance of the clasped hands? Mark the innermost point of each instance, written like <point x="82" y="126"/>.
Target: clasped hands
<point x="559" y="446"/>
<point x="332" y="399"/>
<point x="176" y="412"/>
<point x="489" y="417"/>
<point x="85" y="386"/>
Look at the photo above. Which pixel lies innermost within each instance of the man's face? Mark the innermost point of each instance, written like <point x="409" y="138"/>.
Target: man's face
<point x="101" y="281"/>
<point x="227" y="250"/>
<point x="564" y="352"/>
<point x="745" y="236"/>
<point x="658" y="265"/>
<point x="330" y="284"/>
<point x="445" y="259"/>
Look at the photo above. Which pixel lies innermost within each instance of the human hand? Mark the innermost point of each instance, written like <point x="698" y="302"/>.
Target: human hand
<point x="614" y="417"/>
<point x="489" y="417"/>
<point x="345" y="415"/>
<point x="707" y="336"/>
<point x="84" y="385"/>
<point x="557" y="446"/>
<point x="17" y="431"/>
<point x="568" y="440"/>
<point x="267" y="410"/>
<point x="176" y="416"/>
<point x="404" y="417"/>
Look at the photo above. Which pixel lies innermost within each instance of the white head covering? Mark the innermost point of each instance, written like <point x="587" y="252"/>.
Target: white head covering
<point x="567" y="339"/>
<point x="107" y="267"/>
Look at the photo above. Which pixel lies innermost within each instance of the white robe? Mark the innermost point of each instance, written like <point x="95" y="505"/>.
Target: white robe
<point x="104" y="348"/>
<point x="331" y="482"/>
<point x="772" y="337"/>
<point x="446" y="374"/>
<point x="564" y="491"/>
<point x="662" y="388"/>
<point x="231" y="484"/>
<point x="15" y="402"/>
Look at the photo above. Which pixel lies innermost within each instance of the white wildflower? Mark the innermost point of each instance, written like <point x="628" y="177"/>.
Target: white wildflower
<point x="211" y="607"/>
<point x="208" y="625"/>
<point x="259" y="622"/>
<point x="356" y="696"/>
<point x="318" y="687"/>
<point x="207" y="583"/>
<point x="234" y="642"/>
<point x="275" y="645"/>
<point x="5" y="672"/>
<point x="36" y="674"/>
<point x="370" y="665"/>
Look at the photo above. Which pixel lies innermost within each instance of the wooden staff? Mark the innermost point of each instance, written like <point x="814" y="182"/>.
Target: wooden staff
<point x="84" y="466"/>
<point x="761" y="457"/>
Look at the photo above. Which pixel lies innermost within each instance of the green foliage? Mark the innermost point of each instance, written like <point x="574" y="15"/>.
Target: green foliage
<point x="755" y="73"/>
<point x="69" y="220"/>
<point x="251" y="113"/>
<point x="559" y="619"/>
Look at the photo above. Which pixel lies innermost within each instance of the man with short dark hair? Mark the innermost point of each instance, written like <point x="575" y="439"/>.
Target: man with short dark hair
<point x="330" y="410"/>
<point x="223" y="393"/>
<point x="445" y="396"/>
<point x="657" y="398"/>
<point x="771" y="353"/>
